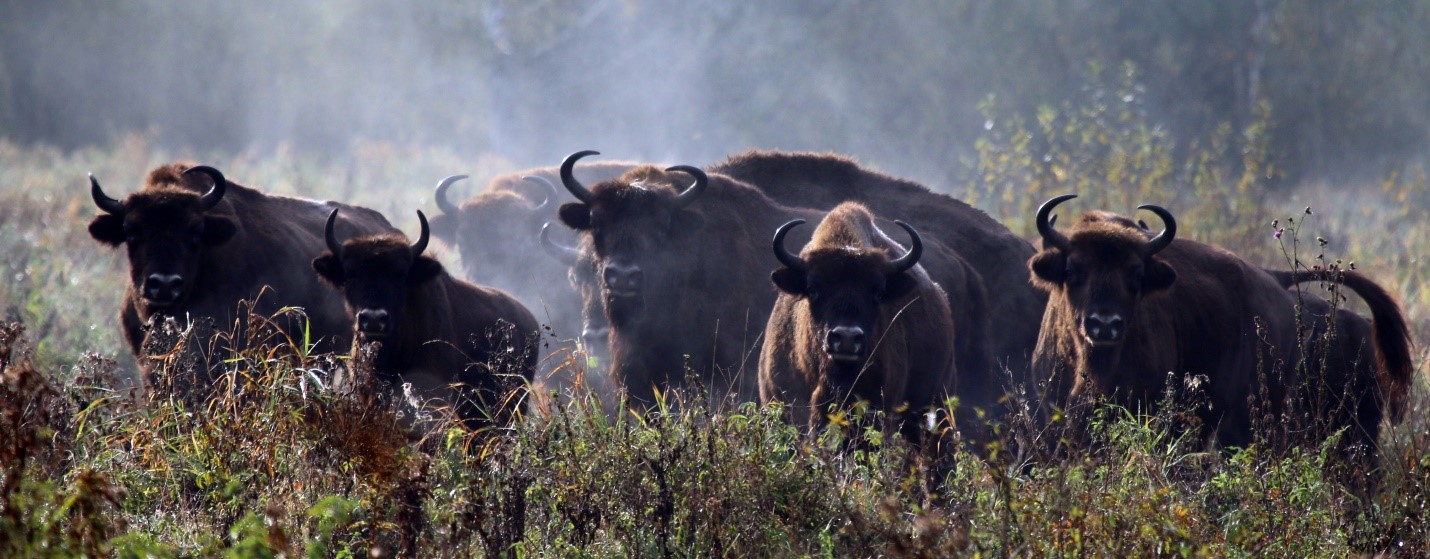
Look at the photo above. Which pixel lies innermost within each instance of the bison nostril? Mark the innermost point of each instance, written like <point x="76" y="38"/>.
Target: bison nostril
<point x="623" y="278"/>
<point x="844" y="340"/>
<point x="163" y="287"/>
<point x="372" y="320"/>
<point x="1104" y="327"/>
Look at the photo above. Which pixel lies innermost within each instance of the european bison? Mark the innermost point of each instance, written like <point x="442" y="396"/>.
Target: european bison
<point x="469" y="345"/>
<point x="682" y="280"/>
<point x="199" y="244"/>
<point x="495" y="233"/>
<point x="1129" y="309"/>
<point x="824" y="180"/>
<point x="853" y="322"/>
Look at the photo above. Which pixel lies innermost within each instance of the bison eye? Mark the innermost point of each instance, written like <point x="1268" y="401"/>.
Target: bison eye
<point x="1073" y="276"/>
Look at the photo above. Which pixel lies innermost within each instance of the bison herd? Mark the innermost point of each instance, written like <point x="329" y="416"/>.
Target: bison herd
<point x="671" y="276"/>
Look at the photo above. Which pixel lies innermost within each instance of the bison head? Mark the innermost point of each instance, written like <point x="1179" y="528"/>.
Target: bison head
<point x="637" y="225"/>
<point x="1101" y="271"/>
<point x="491" y="230"/>
<point x="165" y="228"/>
<point x="844" y="288"/>
<point x="374" y="274"/>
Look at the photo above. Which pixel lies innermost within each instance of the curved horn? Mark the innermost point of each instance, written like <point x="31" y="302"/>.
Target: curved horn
<point x="443" y="204"/>
<point x="791" y="261"/>
<point x="564" y="254"/>
<point x="1051" y="237"/>
<point x="546" y="185"/>
<point x="331" y="237"/>
<point x="569" y="180"/>
<point x="916" y="249"/>
<point x="690" y="194"/>
<point x="210" y="198"/>
<point x="109" y="205"/>
<point x="422" y="237"/>
<point x="1169" y="229"/>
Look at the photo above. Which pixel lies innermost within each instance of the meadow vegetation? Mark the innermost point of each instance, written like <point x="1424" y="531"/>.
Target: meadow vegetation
<point x="291" y="454"/>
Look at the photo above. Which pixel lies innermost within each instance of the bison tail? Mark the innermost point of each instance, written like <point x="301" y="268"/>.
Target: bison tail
<point x="1392" y="333"/>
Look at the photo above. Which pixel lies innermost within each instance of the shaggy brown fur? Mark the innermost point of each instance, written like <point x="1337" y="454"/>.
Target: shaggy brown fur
<point x="1197" y="310"/>
<point x="249" y="243"/>
<point x="470" y="346"/>
<point x="823" y="180"/>
<point x="910" y="364"/>
<point x="772" y="186"/>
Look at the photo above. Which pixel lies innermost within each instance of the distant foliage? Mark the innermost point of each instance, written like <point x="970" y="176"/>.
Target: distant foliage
<point x="1340" y="83"/>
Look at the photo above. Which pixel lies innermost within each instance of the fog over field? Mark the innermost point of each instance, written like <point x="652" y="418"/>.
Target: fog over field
<point x="896" y="85"/>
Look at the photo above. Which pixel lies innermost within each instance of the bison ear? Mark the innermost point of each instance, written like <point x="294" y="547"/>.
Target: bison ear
<point x="424" y="269"/>
<point x="218" y="230"/>
<point x="1049" y="267"/>
<point x="444" y="227"/>
<point x="329" y="269"/>
<point x="107" y="229"/>
<point x="899" y="285"/>
<point x="1159" y="275"/>
<point x="575" y="215"/>
<point x="793" y="282"/>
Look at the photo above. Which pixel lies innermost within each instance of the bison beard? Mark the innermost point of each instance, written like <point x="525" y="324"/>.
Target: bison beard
<point x="1126" y="309"/>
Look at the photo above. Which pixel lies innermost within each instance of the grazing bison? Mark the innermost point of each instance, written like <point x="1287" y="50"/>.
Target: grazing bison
<point x="1129" y="309"/>
<point x="198" y="244"/>
<point x="853" y="323"/>
<point x="469" y="345"/>
<point x="682" y="279"/>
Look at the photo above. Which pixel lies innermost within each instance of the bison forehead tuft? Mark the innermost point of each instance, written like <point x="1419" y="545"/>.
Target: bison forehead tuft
<point x="162" y="200"/>
<point x="1108" y="236"/>
<point x="845" y="260"/>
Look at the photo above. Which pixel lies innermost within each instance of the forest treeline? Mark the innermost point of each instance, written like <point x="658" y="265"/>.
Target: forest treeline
<point x="1338" y="86"/>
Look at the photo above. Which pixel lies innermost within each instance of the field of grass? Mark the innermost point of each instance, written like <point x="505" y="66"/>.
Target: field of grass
<point x="276" y="462"/>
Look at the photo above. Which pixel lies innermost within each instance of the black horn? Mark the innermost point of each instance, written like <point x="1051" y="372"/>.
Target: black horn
<point x="1051" y="237"/>
<point x="1169" y="229"/>
<point x="109" y="205"/>
<point x="331" y="236"/>
<point x="690" y="194"/>
<point x="916" y="249"/>
<point x="443" y="204"/>
<point x="547" y="187"/>
<point x="568" y="179"/>
<point x="422" y="237"/>
<point x="791" y="261"/>
<point x="564" y="254"/>
<point x="212" y="197"/>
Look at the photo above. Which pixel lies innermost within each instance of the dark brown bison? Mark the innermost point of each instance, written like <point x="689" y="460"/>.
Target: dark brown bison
<point x="198" y="244"/>
<point x="1131" y="311"/>
<point x="854" y="323"/>
<point x="468" y="345"/>
<point x="824" y="180"/>
<point x="495" y="232"/>
<point x="682" y="277"/>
